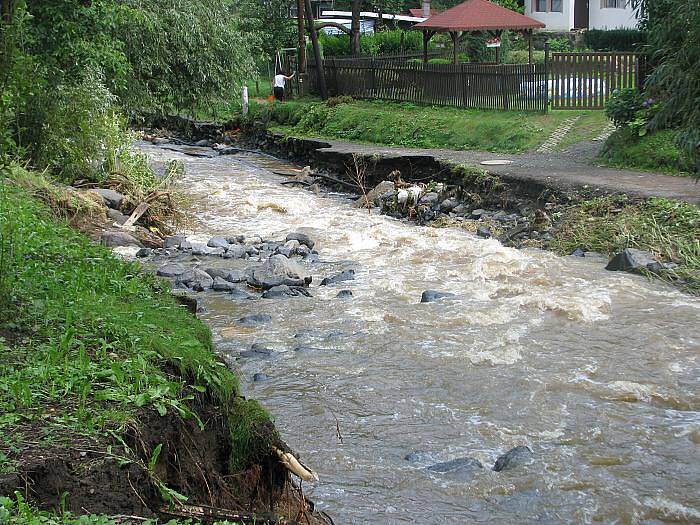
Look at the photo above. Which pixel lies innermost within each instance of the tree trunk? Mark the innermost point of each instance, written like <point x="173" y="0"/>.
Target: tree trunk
<point x="355" y="28"/>
<point x="300" y="34"/>
<point x="6" y="8"/>
<point x="317" y="51"/>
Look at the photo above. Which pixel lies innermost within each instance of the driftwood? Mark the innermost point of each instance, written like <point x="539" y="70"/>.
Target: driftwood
<point x="206" y="514"/>
<point x="302" y="182"/>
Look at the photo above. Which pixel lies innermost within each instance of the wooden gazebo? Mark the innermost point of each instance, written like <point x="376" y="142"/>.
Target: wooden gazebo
<point x="476" y="16"/>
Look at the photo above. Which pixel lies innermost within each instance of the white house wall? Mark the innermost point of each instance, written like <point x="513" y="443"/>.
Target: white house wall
<point x="554" y="21"/>
<point x="609" y="18"/>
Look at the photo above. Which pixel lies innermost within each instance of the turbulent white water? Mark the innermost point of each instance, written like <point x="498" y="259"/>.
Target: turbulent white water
<point x="596" y="371"/>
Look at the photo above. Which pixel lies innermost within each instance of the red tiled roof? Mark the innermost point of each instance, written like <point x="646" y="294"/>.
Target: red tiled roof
<point x="478" y="15"/>
<point x="418" y="12"/>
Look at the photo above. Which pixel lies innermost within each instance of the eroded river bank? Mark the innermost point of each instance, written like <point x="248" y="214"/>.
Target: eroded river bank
<point x="595" y="372"/>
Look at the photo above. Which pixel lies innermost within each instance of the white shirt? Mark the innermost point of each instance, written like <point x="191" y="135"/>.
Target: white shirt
<point x="279" y="81"/>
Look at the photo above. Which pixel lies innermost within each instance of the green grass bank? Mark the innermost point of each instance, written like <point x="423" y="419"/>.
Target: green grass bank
<point x="97" y="356"/>
<point x="409" y="125"/>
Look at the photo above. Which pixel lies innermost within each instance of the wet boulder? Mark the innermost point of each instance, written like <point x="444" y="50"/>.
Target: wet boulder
<point x="196" y="279"/>
<point x="114" y="239"/>
<point x="448" y="205"/>
<point x="420" y="456"/>
<point x="258" y="351"/>
<point x="239" y="294"/>
<point x="259" y="377"/>
<point x="217" y="242"/>
<point x="111" y="198"/>
<point x="429" y="198"/>
<point x="171" y="270"/>
<point x="278" y="270"/>
<point x="232" y="276"/>
<point x="290" y="248"/>
<point x="462" y="469"/>
<point x="483" y="232"/>
<point x="222" y="285"/>
<point x="429" y="296"/>
<point x="173" y="241"/>
<point x="630" y="260"/>
<point x="347" y="275"/>
<point x="254" y="320"/>
<point x="344" y="294"/>
<point x="236" y="239"/>
<point x="301" y="238"/>
<point x="144" y="252"/>
<point x="578" y="252"/>
<point x="236" y="251"/>
<point x="515" y="457"/>
<point x="476" y="214"/>
<point x="383" y="188"/>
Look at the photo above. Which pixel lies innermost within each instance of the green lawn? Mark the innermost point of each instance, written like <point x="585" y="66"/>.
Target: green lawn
<point x="410" y="125"/>
<point x="653" y="152"/>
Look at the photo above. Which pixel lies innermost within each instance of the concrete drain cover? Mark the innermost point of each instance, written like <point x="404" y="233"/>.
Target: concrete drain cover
<point x="496" y="162"/>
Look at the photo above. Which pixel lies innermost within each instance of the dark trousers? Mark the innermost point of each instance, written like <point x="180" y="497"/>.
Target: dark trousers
<point x="279" y="93"/>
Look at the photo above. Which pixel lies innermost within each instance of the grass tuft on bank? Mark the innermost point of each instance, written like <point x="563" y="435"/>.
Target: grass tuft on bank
<point x="409" y="125"/>
<point x="87" y="340"/>
<point x="652" y="152"/>
<point x="669" y="229"/>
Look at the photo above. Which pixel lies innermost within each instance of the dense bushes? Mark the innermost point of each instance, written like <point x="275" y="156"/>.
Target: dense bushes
<point x="656" y="151"/>
<point x="614" y="39"/>
<point x="374" y="44"/>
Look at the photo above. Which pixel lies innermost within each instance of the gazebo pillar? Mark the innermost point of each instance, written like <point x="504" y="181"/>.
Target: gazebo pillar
<point x="427" y="35"/>
<point x="528" y="34"/>
<point x="455" y="54"/>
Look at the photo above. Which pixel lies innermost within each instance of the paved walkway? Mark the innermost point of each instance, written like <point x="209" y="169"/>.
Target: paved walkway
<point x="573" y="169"/>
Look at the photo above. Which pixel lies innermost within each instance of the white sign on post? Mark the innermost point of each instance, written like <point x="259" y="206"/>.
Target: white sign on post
<point x="244" y="99"/>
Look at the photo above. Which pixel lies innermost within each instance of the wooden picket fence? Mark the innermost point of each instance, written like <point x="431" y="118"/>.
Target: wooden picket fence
<point x="586" y="80"/>
<point x="478" y="86"/>
<point x="564" y="81"/>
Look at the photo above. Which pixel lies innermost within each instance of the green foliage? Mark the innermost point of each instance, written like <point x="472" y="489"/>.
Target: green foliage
<point x="623" y="105"/>
<point x="610" y="224"/>
<point x="93" y="339"/>
<point x="559" y="45"/>
<point x="251" y="434"/>
<point x="522" y="57"/>
<point x="614" y="39"/>
<point x="674" y="47"/>
<point x="374" y="44"/>
<point x="657" y="151"/>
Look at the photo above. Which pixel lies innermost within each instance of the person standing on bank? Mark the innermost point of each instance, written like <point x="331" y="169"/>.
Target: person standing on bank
<point x="278" y="84"/>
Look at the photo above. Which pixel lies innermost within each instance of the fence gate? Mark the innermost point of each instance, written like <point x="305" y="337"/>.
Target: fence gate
<point x="586" y="80"/>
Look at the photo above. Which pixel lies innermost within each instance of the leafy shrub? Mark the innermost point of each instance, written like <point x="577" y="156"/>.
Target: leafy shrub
<point x="521" y="57"/>
<point x="81" y="132"/>
<point x="614" y="39"/>
<point x="559" y="45"/>
<point x="623" y="105"/>
<point x="373" y="44"/>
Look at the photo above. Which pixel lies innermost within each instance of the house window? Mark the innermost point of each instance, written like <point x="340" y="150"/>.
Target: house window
<point x="545" y="6"/>
<point x="613" y="4"/>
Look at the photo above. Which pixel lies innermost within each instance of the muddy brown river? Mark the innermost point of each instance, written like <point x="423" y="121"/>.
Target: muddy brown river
<point x="597" y="372"/>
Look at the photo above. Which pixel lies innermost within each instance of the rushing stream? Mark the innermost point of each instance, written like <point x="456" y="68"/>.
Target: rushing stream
<point x="597" y="372"/>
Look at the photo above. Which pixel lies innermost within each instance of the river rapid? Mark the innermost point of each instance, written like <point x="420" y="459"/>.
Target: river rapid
<point x="597" y="372"/>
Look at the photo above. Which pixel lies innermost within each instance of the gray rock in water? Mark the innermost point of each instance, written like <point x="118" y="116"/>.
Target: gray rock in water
<point x="196" y="279"/>
<point x="278" y="270"/>
<point x="144" y="252"/>
<point x="117" y="216"/>
<point x="347" y="275"/>
<point x="656" y="267"/>
<point x="429" y="296"/>
<point x="459" y="209"/>
<point x="630" y="260"/>
<point x="308" y="349"/>
<point x="260" y="377"/>
<point x="174" y="241"/>
<point x="113" y="239"/>
<point x="111" y="198"/>
<point x="290" y="248"/>
<point x="383" y="188"/>
<point x="462" y="469"/>
<point x="302" y="238"/>
<point x="236" y="239"/>
<point x="483" y="232"/>
<point x="186" y="245"/>
<point x="232" y="276"/>
<point x="254" y="320"/>
<point x="277" y="292"/>
<point x="476" y="214"/>
<point x="312" y="258"/>
<point x="420" y="456"/>
<point x="217" y="242"/>
<point x="222" y="285"/>
<point x="171" y="270"/>
<point x="258" y="350"/>
<point x="520" y="455"/>
<point x="429" y="198"/>
<point x="200" y="249"/>
<point x="236" y="251"/>
<point x="344" y="294"/>
<point x="448" y="205"/>
<point x="241" y="295"/>
<point x="578" y="252"/>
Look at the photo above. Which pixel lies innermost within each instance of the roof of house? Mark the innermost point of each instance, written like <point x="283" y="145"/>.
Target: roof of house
<point x="478" y="15"/>
<point x="418" y="12"/>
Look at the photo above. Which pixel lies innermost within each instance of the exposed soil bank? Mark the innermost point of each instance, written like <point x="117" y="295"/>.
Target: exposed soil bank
<point x="112" y="398"/>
